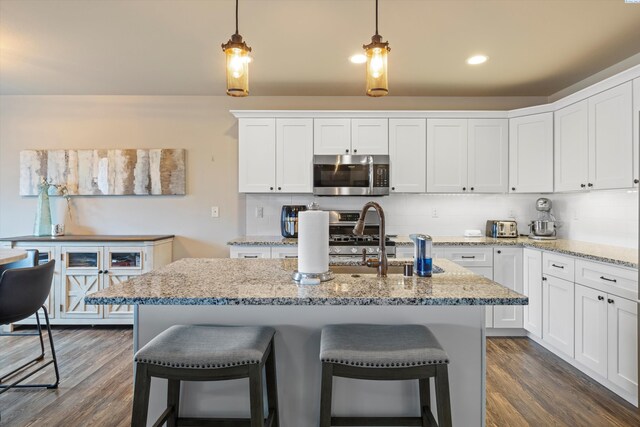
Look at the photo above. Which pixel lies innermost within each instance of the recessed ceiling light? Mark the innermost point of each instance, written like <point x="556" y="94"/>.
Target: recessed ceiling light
<point x="477" y="59"/>
<point x="358" y="58"/>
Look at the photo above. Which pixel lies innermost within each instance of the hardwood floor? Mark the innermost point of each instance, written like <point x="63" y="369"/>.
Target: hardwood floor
<point x="526" y="385"/>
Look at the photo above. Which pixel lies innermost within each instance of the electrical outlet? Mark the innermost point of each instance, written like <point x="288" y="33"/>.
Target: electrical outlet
<point x="215" y="213"/>
<point x="259" y="212"/>
<point x="434" y="213"/>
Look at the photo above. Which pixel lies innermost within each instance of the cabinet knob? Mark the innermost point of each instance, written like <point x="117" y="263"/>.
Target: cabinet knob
<point x="582" y="185"/>
<point x="271" y="188"/>
<point x="600" y="298"/>
<point x="635" y="181"/>
<point x="610" y="301"/>
<point x="544" y="279"/>
<point x="105" y="272"/>
<point x="355" y="151"/>
<point x="513" y="188"/>
<point x="393" y="188"/>
<point x="279" y="188"/>
<point x="590" y="184"/>
<point x="464" y="188"/>
<point x="346" y="151"/>
<point x="99" y="271"/>
<point x="471" y="189"/>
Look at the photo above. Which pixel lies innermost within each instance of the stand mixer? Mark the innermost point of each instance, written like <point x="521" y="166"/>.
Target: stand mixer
<point x="544" y="228"/>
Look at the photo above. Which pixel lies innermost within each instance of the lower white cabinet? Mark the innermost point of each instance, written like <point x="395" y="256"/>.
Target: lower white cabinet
<point x="622" y="339"/>
<point x="507" y="271"/>
<point x="284" y="252"/>
<point x="558" y="313"/>
<point x="250" y="252"/>
<point x="591" y="329"/>
<point x="532" y="288"/>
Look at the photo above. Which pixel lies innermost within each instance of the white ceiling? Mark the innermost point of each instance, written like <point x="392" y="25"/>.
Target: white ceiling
<point x="301" y="47"/>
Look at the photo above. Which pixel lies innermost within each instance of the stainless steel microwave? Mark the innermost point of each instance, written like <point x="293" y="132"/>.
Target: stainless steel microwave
<point x="350" y="175"/>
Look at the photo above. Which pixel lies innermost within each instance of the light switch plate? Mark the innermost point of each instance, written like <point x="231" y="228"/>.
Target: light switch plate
<point x="215" y="213"/>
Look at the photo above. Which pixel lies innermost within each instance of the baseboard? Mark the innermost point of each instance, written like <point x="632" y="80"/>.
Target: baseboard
<point x="506" y="332"/>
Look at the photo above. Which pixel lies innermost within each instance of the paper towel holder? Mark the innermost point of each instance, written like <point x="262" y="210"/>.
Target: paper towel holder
<point x="324" y="277"/>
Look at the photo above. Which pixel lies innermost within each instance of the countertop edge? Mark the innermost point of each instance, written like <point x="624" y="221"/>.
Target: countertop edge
<point x="90" y="238"/>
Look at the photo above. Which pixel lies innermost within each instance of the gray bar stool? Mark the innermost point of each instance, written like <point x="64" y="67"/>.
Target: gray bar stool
<point x="207" y="353"/>
<point x="385" y="353"/>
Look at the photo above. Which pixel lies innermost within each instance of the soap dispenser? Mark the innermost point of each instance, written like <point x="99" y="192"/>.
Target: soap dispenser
<point x="422" y="262"/>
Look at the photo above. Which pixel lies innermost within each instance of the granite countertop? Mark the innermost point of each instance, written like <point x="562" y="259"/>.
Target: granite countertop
<point x="228" y="281"/>
<point x="626" y="257"/>
<point x="89" y="238"/>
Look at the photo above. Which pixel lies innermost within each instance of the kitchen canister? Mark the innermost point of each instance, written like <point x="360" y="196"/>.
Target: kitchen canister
<point x="313" y="247"/>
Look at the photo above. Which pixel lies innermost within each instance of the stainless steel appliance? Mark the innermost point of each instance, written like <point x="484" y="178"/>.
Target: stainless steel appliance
<point x="289" y="220"/>
<point x="343" y="243"/>
<point x="501" y="228"/>
<point x="350" y="175"/>
<point x="543" y="228"/>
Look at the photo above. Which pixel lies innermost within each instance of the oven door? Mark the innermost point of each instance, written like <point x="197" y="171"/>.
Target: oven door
<point x="349" y="176"/>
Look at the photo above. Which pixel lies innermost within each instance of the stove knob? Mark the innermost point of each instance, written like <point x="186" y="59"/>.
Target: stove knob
<point x="354" y="250"/>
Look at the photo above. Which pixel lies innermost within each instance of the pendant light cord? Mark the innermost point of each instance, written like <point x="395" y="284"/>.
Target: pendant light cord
<point x="376" y="17"/>
<point x="237" y="16"/>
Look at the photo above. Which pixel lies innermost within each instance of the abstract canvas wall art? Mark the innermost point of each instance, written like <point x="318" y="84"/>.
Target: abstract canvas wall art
<point x="105" y="172"/>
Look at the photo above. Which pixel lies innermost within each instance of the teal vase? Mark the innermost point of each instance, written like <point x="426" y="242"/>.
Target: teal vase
<point x="43" y="213"/>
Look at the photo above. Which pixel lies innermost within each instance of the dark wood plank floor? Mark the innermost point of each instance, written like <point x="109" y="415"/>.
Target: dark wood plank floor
<point x="526" y="385"/>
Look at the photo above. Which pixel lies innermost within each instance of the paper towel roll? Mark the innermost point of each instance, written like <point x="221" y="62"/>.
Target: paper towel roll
<point x="313" y="242"/>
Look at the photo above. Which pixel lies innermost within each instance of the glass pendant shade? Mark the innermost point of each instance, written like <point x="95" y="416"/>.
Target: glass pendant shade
<point x="377" y="53"/>
<point x="237" y="71"/>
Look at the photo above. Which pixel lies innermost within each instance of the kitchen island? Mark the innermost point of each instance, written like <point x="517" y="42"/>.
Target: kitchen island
<point x="261" y="292"/>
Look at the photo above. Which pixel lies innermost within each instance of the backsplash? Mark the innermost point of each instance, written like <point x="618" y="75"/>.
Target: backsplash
<point x="608" y="217"/>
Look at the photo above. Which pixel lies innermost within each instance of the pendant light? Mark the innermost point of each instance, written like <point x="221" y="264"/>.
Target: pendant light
<point x="237" y="53"/>
<point x="376" y="53"/>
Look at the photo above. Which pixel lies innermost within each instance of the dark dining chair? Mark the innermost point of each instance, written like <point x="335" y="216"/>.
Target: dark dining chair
<point x="23" y="292"/>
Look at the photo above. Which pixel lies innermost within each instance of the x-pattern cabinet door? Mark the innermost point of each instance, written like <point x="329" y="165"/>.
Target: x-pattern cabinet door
<point x="121" y="264"/>
<point x="81" y="275"/>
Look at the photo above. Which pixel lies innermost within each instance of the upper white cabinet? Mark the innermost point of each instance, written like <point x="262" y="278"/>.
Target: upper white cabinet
<point x="275" y="155"/>
<point x="467" y="155"/>
<point x="636" y="132"/>
<point x="593" y="142"/>
<point x="294" y="155"/>
<point x="332" y="136"/>
<point x="408" y="155"/>
<point x="351" y="136"/>
<point x="532" y="288"/>
<point x="531" y="154"/>
<point x="507" y="270"/>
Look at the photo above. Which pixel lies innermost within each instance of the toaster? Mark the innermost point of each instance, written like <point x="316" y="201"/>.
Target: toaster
<point x="501" y="228"/>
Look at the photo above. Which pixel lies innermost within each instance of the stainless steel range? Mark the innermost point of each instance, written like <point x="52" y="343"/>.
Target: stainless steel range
<point x="342" y="241"/>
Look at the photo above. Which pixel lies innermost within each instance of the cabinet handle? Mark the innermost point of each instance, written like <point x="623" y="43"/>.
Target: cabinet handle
<point x="513" y="188"/>
<point x="590" y="184"/>
<point x="464" y="188"/>
<point x="471" y="189"/>
<point x="99" y="271"/>
<point x="499" y="252"/>
<point x="635" y="181"/>
<point x="271" y="188"/>
<point x="608" y="280"/>
<point x="600" y="298"/>
<point x="468" y="257"/>
<point x="291" y="256"/>
<point x="105" y="272"/>
<point x="251" y="256"/>
<point x="279" y="188"/>
<point x="355" y="151"/>
<point x="393" y="188"/>
<point x="610" y="301"/>
<point x="557" y="266"/>
<point x="544" y="279"/>
<point x="582" y="185"/>
<point x="346" y="151"/>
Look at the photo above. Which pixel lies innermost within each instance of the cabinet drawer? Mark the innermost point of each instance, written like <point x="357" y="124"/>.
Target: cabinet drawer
<point x="559" y="266"/>
<point x="608" y="278"/>
<point x="284" y="252"/>
<point x="250" y="252"/>
<point x="471" y="257"/>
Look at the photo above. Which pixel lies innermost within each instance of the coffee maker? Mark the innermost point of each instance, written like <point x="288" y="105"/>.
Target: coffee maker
<point x="543" y="228"/>
<point x="289" y="220"/>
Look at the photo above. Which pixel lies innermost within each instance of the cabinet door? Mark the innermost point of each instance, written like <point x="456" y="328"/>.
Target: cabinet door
<point x="488" y="155"/>
<point x="591" y="329"/>
<point x="571" y="154"/>
<point x="507" y="270"/>
<point x="623" y="343"/>
<point x="284" y="252"/>
<point x="115" y="311"/>
<point x="531" y="154"/>
<point x="256" y="155"/>
<point x="121" y="264"/>
<point x="370" y="136"/>
<point x="81" y="275"/>
<point x="446" y="155"/>
<point x="294" y="155"/>
<point x="250" y="252"/>
<point x="488" y="309"/>
<point x="557" y="313"/>
<point x="331" y="136"/>
<point x="636" y="132"/>
<point x="611" y="138"/>
<point x="408" y="155"/>
<point x="532" y="288"/>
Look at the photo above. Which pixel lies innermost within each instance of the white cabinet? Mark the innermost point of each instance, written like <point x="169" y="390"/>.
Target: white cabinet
<point x="591" y="329"/>
<point x="408" y="155"/>
<point x="351" y="136"/>
<point x="532" y="288"/>
<point x="284" y="252"/>
<point x="275" y="155"/>
<point x="636" y="132"/>
<point x="593" y="142"/>
<point x="622" y="340"/>
<point x="294" y="155"/>
<point x="467" y="155"/>
<point x="558" y="313"/>
<point x="250" y="252"/>
<point x="531" y="154"/>
<point x="81" y="275"/>
<point x="507" y="271"/>
<point x="370" y="136"/>
<point x="257" y="155"/>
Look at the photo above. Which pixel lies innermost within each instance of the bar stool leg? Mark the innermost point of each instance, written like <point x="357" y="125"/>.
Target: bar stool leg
<point x="425" y="401"/>
<point x="256" y="396"/>
<point x="442" y="396"/>
<point x="326" y="390"/>
<point x="141" y="396"/>
<point x="272" y="388"/>
<point x="173" y="401"/>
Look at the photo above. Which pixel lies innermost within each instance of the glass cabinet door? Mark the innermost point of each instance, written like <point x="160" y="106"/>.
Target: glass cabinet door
<point x="81" y="276"/>
<point x="124" y="258"/>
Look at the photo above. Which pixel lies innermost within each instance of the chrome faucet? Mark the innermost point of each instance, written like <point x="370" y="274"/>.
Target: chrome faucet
<point x="358" y="230"/>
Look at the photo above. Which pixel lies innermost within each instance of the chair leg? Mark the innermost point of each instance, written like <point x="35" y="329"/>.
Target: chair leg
<point x="141" y="396"/>
<point x="425" y="401"/>
<point x="442" y="396"/>
<point x="272" y="387"/>
<point x="173" y="401"/>
<point x="256" y="396"/>
<point x="53" y="349"/>
<point x="326" y="389"/>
